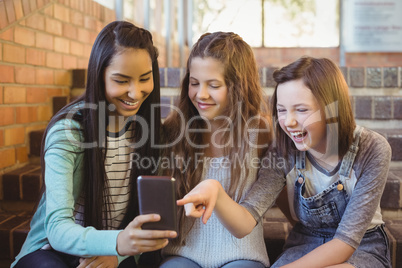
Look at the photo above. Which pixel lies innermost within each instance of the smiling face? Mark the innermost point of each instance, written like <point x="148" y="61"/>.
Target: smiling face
<point x="300" y="116"/>
<point x="207" y="89"/>
<point x="128" y="81"/>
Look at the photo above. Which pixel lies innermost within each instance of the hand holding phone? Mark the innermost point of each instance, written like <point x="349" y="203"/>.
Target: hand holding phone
<point x="134" y="240"/>
<point x="156" y="194"/>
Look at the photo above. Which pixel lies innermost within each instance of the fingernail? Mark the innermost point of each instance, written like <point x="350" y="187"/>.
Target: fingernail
<point x="173" y="234"/>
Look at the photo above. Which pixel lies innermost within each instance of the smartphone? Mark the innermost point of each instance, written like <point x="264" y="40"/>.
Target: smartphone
<point x="157" y="194"/>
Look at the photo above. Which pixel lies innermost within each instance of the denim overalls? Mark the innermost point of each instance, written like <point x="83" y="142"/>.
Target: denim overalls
<point x="320" y="215"/>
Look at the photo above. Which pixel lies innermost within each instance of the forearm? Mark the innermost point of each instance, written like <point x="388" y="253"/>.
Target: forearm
<point x="331" y="253"/>
<point x="74" y="239"/>
<point x="236" y="219"/>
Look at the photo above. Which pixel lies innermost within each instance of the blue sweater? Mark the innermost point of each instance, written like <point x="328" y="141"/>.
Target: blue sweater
<point x="53" y="223"/>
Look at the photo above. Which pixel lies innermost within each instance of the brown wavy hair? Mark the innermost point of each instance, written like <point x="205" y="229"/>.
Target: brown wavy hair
<point x="245" y="101"/>
<point x="325" y="80"/>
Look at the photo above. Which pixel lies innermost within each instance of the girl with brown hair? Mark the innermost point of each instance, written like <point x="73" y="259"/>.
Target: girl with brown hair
<point x="217" y="132"/>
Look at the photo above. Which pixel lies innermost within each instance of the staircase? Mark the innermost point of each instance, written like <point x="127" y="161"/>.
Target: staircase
<point x="21" y="191"/>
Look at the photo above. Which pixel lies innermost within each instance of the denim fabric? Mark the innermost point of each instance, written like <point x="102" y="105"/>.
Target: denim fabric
<point x="373" y="251"/>
<point x="181" y="262"/>
<point x="177" y="262"/>
<point x="320" y="215"/>
<point x="55" y="259"/>
<point x="243" y="264"/>
<point x="47" y="259"/>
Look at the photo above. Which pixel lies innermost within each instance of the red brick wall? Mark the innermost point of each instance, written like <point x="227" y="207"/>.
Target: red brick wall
<point x="41" y="41"/>
<point x="278" y="57"/>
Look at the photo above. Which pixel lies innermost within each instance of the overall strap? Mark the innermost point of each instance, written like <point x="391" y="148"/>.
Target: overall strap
<point x="349" y="158"/>
<point x="300" y="162"/>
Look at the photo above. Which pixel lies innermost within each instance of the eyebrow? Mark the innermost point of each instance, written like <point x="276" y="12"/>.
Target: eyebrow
<point x="296" y="105"/>
<point x="127" y="76"/>
<point x="211" y="80"/>
<point x="146" y="73"/>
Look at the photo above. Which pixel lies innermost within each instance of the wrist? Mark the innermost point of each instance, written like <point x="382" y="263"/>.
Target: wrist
<point x="221" y="191"/>
<point x="117" y="243"/>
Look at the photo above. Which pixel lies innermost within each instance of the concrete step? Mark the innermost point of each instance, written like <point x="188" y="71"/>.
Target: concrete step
<point x="6" y="263"/>
<point x="394" y="231"/>
<point x="394" y="138"/>
<point x="22" y="184"/>
<point x="14" y="228"/>
<point x="391" y="200"/>
<point x="35" y="141"/>
<point x="276" y="230"/>
<point x="382" y="107"/>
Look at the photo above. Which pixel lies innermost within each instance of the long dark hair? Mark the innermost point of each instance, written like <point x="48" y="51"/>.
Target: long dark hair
<point x="245" y="102"/>
<point x="114" y="38"/>
<point x="325" y="80"/>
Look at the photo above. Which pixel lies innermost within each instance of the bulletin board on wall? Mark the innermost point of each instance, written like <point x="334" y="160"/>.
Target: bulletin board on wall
<point x="372" y="25"/>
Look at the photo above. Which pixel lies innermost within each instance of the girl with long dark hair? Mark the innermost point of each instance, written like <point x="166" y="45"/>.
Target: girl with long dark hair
<point x="88" y="213"/>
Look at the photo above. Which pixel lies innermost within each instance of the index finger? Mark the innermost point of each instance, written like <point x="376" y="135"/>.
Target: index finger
<point x="189" y="199"/>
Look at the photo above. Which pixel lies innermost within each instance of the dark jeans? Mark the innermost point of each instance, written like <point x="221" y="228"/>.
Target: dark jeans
<point x="178" y="261"/>
<point x="55" y="259"/>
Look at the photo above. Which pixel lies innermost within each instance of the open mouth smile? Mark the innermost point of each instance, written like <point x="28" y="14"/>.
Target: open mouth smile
<point x="131" y="105"/>
<point x="298" y="136"/>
